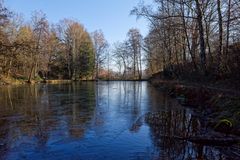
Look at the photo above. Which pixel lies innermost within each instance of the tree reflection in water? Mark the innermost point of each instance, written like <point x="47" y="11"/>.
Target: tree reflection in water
<point x="31" y="113"/>
<point x="102" y="120"/>
<point x="168" y="127"/>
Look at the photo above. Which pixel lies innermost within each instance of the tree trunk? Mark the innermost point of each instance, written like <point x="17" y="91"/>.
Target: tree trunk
<point x="201" y="37"/>
<point x="140" y="65"/>
<point x="228" y="30"/>
<point x="220" y="40"/>
<point x="9" y="68"/>
<point x="69" y="65"/>
<point x="187" y="38"/>
<point x="97" y="71"/>
<point x="208" y="44"/>
<point x="30" y="74"/>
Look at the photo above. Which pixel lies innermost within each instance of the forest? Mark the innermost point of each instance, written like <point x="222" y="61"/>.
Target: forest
<point x="187" y="40"/>
<point x="38" y="50"/>
<point x="171" y="93"/>
<point x="193" y="40"/>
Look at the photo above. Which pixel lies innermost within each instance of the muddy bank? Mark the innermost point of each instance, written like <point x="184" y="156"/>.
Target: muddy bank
<point x="220" y="108"/>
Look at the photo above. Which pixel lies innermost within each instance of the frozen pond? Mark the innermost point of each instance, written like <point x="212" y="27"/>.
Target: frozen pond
<point x="88" y="120"/>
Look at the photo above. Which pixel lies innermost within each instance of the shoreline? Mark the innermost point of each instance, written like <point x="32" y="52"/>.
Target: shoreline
<point x="13" y="82"/>
<point x="219" y="106"/>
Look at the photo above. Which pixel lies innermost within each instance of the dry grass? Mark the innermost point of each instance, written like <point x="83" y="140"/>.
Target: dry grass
<point x="58" y="81"/>
<point x="4" y="80"/>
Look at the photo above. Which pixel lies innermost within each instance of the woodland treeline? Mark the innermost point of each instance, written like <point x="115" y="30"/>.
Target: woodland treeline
<point x="189" y="40"/>
<point x="128" y="56"/>
<point x="38" y="49"/>
<point x="192" y="39"/>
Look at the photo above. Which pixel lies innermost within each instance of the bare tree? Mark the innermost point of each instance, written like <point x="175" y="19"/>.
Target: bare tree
<point x="135" y="43"/>
<point x="40" y="31"/>
<point x="101" y="49"/>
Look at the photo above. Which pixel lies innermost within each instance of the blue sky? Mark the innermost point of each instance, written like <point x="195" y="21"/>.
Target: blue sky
<point x="111" y="16"/>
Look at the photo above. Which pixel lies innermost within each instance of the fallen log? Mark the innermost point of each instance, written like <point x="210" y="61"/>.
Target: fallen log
<point x="208" y="141"/>
<point x="214" y="141"/>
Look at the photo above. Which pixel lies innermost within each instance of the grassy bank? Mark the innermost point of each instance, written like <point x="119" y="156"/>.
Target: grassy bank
<point x="17" y="80"/>
<point x="8" y="80"/>
<point x="220" y="107"/>
<point x="57" y="81"/>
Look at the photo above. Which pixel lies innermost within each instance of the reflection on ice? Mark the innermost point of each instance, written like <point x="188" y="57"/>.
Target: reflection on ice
<point x="103" y="120"/>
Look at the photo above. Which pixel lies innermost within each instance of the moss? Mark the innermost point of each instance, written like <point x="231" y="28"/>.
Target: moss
<point x="227" y="122"/>
<point x="38" y="79"/>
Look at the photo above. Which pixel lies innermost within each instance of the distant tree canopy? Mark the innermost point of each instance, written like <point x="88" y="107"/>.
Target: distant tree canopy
<point x="187" y="39"/>
<point x="100" y="49"/>
<point x="38" y="49"/>
<point x="128" y="56"/>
